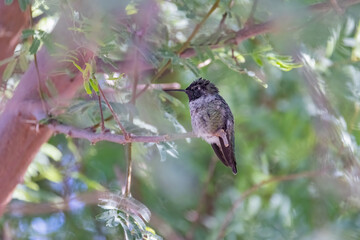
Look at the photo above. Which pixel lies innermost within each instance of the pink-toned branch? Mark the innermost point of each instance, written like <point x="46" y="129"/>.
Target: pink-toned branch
<point x="10" y="33"/>
<point x="15" y="132"/>
<point x="19" y="140"/>
<point x="98" y="137"/>
<point x="272" y="26"/>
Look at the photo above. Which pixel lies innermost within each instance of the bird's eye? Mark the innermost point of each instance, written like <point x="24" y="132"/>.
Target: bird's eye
<point x="198" y="87"/>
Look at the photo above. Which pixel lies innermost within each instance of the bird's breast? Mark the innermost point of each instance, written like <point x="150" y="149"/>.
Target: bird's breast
<point x="206" y="117"/>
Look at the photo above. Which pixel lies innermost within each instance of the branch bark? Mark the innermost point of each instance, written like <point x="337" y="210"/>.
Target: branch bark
<point x="97" y="137"/>
<point x="26" y="103"/>
<point x="20" y="141"/>
<point x="272" y="26"/>
<point x="10" y="29"/>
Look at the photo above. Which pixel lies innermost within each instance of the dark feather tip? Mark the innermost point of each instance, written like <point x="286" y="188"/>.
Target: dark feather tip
<point x="234" y="169"/>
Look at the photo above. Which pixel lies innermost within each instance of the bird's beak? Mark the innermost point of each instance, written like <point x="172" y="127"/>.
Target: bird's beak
<point x="174" y="90"/>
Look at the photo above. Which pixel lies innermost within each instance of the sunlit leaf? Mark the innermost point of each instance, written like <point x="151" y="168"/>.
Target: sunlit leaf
<point x="87" y="87"/>
<point x="285" y="63"/>
<point x="51" y="173"/>
<point x="23" y="62"/>
<point x="34" y="46"/>
<point x="51" y="151"/>
<point x="131" y="9"/>
<point x="9" y="70"/>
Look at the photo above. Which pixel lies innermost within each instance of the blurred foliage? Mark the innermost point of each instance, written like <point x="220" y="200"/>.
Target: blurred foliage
<point x="279" y="128"/>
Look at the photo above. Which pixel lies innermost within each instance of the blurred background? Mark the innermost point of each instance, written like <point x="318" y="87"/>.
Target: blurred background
<point x="289" y="71"/>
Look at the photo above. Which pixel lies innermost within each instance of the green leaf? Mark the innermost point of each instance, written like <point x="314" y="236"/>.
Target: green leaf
<point x="230" y="62"/>
<point x="191" y="66"/>
<point x="209" y="52"/>
<point x="32" y="185"/>
<point x="51" y="151"/>
<point x="23" y="62"/>
<point x="52" y="174"/>
<point x="78" y="67"/>
<point x="128" y="205"/>
<point x="6" y="60"/>
<point x="257" y="59"/>
<point x="29" y="195"/>
<point x="165" y="148"/>
<point x="27" y="33"/>
<point x="112" y="78"/>
<point x="131" y="9"/>
<point x="8" y="2"/>
<point x="149" y="56"/>
<point x="48" y="42"/>
<point x="87" y="87"/>
<point x="285" y="63"/>
<point x="164" y="97"/>
<point x="9" y="69"/>
<point x="23" y="4"/>
<point x="178" y="127"/>
<point x="34" y="46"/>
<point x="94" y="84"/>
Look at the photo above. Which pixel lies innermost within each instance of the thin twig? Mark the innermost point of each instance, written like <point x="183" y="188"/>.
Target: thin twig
<point x="184" y="46"/>
<point x="129" y="170"/>
<point x="197" y="27"/>
<point x="248" y="192"/>
<point x="271" y="26"/>
<point x="336" y="6"/>
<point x="101" y="114"/>
<point x="222" y="21"/>
<point x="136" y="79"/>
<point x="129" y="145"/>
<point x="250" y="20"/>
<point x="42" y="99"/>
<point x="126" y="134"/>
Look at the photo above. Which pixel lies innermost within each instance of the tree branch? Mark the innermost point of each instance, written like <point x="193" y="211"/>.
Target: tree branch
<point x="10" y="33"/>
<point x="183" y="47"/>
<point x="248" y="192"/>
<point x="14" y="132"/>
<point x="97" y="137"/>
<point x="250" y="20"/>
<point x="117" y="120"/>
<point x="271" y="26"/>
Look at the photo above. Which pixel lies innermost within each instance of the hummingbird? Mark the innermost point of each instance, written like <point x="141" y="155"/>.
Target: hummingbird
<point x="211" y="119"/>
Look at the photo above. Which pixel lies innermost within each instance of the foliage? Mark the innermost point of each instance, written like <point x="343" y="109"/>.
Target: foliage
<point x="129" y="213"/>
<point x="294" y="94"/>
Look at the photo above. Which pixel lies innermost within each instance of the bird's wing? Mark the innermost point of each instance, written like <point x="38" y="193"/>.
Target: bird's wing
<point x="228" y="152"/>
<point x="219" y="153"/>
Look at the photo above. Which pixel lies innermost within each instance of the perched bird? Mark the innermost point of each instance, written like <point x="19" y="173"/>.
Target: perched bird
<point x="211" y="119"/>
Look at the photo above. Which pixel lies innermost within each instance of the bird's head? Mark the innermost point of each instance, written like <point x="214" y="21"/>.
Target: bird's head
<point x="198" y="88"/>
